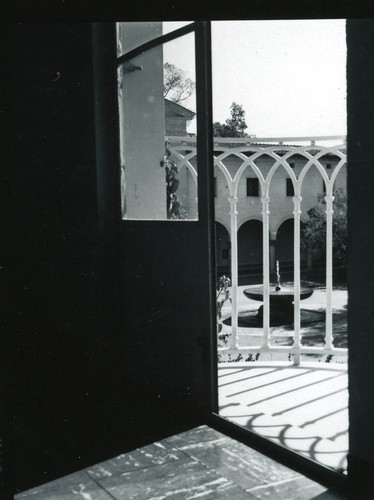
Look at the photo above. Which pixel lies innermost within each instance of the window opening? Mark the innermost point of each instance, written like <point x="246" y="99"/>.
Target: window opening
<point x="157" y="103"/>
<point x="253" y="187"/>
<point x="289" y="188"/>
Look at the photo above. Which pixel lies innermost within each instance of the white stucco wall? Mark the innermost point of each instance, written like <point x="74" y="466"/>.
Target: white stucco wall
<point x="142" y="124"/>
<point x="281" y="205"/>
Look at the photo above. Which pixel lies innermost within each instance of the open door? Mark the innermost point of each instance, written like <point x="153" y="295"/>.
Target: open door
<point x="279" y="123"/>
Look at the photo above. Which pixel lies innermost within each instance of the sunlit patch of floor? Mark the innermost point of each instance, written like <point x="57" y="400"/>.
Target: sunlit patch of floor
<point x="304" y="408"/>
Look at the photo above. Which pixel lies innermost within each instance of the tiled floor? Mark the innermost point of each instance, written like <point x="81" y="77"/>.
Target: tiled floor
<point x="304" y="408"/>
<point x="201" y="463"/>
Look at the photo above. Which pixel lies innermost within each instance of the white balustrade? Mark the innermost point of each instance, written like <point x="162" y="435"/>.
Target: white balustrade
<point x="234" y="271"/>
<point x="297" y="312"/>
<point x="280" y="150"/>
<point x="266" y="271"/>
<point x="329" y="212"/>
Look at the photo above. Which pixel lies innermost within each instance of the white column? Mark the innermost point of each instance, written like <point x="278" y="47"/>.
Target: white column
<point x="265" y="260"/>
<point x="234" y="271"/>
<point x="296" y="260"/>
<point x="329" y="212"/>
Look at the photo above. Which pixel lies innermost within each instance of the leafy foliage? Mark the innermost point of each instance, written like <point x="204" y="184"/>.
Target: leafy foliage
<point x="223" y="294"/>
<point x="174" y="209"/>
<point x="177" y="87"/>
<point x="314" y="232"/>
<point x="234" y="126"/>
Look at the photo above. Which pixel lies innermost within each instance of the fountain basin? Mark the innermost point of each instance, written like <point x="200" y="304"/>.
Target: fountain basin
<point x="281" y="301"/>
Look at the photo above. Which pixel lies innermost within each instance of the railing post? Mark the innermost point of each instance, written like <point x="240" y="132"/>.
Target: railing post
<point x="234" y="271"/>
<point x="265" y="259"/>
<point x="329" y="213"/>
<point x="296" y="258"/>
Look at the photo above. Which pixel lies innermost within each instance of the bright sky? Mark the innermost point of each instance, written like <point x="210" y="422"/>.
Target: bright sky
<point x="290" y="76"/>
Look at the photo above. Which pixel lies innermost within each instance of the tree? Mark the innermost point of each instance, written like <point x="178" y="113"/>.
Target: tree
<point x="314" y="232"/>
<point x="177" y="87"/>
<point x="234" y="126"/>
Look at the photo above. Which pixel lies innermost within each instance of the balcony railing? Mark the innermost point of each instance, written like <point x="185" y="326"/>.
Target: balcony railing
<point x="278" y="152"/>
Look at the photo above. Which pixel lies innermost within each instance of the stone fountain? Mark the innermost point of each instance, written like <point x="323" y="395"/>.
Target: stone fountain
<point x="281" y="303"/>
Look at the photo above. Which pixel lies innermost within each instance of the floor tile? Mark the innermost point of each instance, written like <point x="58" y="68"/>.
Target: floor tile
<point x="299" y="488"/>
<point x="198" y="464"/>
<point x="153" y="454"/>
<point x="185" y="478"/>
<point x="239" y="463"/>
<point x="73" y="487"/>
<point x="229" y="492"/>
<point x="198" y="435"/>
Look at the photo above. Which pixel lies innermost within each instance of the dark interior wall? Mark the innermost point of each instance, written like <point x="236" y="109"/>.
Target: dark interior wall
<point x="53" y="318"/>
<point x="83" y="383"/>
<point x="360" y="35"/>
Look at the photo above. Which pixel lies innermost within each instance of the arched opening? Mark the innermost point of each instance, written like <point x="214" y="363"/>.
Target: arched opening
<point x="284" y="247"/>
<point x="250" y="247"/>
<point x="223" y="246"/>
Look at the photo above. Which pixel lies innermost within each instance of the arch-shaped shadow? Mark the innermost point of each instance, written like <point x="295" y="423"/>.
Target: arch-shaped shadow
<point x="296" y="411"/>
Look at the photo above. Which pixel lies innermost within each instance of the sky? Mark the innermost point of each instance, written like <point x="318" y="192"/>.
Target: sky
<point x="289" y="76"/>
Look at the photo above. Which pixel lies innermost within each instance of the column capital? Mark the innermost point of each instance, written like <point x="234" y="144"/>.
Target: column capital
<point x="233" y="201"/>
<point x="329" y="201"/>
<point x="296" y="203"/>
<point x="265" y="205"/>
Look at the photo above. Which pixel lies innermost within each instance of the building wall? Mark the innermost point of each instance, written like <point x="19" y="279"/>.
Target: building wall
<point x="281" y="206"/>
<point x="175" y="125"/>
<point x="142" y="124"/>
<point x="94" y="363"/>
<point x="249" y="208"/>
